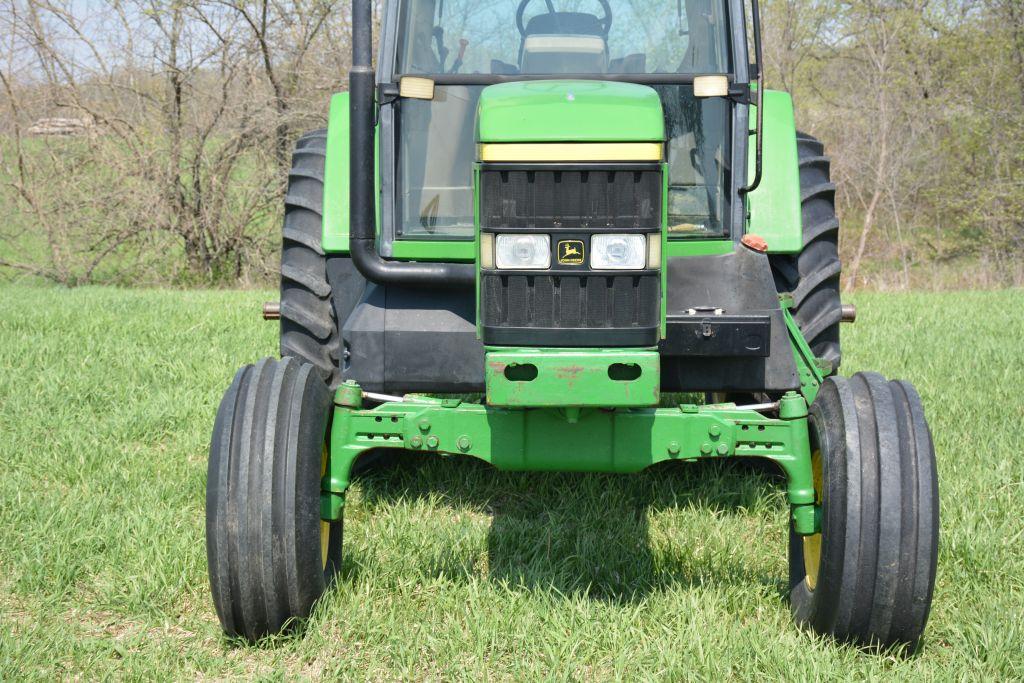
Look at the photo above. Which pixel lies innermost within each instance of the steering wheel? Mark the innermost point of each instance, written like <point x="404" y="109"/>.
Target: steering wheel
<point x="605" y="21"/>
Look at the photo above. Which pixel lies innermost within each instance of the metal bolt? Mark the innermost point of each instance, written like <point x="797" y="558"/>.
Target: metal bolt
<point x="705" y="448"/>
<point x="673" y="447"/>
<point x="432" y="441"/>
<point x="723" y="449"/>
<point x="464" y="443"/>
<point x="416" y="441"/>
<point x="714" y="431"/>
<point x="424" y="425"/>
<point x="349" y="395"/>
<point x="272" y="310"/>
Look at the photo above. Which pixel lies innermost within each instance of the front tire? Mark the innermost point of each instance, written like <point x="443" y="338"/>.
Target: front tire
<point x="269" y="555"/>
<point x="868" y="576"/>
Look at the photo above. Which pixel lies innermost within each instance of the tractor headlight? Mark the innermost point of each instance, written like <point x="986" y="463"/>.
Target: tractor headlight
<point x="523" y="252"/>
<point x="618" y="252"/>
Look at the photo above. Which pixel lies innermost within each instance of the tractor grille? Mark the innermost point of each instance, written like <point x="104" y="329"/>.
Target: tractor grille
<point x="570" y="310"/>
<point x="572" y="197"/>
<point x="570" y="305"/>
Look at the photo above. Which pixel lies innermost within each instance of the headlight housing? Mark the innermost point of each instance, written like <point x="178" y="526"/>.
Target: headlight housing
<point x="522" y="252"/>
<point x="618" y="252"/>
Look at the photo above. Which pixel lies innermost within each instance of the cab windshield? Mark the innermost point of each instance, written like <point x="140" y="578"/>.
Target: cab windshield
<point x="433" y="140"/>
<point x="562" y="37"/>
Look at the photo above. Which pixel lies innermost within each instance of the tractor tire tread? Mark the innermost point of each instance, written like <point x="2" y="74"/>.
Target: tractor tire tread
<point x="819" y="229"/>
<point x="315" y="283"/>
<point x="299" y="202"/>
<point x="815" y="160"/>
<point x="820" y="190"/>
<point x="316" y="176"/>
<point x="311" y="242"/>
<point x="825" y="320"/>
<point x="309" y="327"/>
<point x="314" y="138"/>
<point x="306" y="347"/>
<point x="813" y="275"/>
<point x="810" y="283"/>
<point x="309" y="315"/>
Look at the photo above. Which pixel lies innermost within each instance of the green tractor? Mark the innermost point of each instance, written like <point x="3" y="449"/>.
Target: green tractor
<point x="589" y="214"/>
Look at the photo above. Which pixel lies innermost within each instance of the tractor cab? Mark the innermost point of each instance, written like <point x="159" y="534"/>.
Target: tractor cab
<point x="464" y="47"/>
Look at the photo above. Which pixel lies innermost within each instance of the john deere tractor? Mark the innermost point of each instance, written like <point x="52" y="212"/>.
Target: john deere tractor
<point x="593" y="216"/>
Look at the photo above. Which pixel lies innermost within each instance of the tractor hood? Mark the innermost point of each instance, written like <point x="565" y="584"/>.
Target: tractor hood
<point x="569" y="111"/>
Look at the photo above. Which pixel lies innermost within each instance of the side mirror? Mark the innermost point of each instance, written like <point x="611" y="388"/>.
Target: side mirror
<point x="710" y="86"/>
<point x="416" y="88"/>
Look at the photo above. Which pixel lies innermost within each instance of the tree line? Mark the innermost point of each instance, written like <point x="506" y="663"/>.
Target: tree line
<point x="148" y="141"/>
<point x="186" y="113"/>
<point x="921" y="106"/>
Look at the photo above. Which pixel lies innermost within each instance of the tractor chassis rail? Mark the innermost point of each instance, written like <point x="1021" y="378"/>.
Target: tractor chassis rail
<point x="572" y="439"/>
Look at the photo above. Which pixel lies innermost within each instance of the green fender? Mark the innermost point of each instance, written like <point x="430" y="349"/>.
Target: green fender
<point x="774" y="207"/>
<point x="335" y="205"/>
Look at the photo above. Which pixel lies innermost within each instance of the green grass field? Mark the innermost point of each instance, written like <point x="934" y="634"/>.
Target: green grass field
<point x="453" y="570"/>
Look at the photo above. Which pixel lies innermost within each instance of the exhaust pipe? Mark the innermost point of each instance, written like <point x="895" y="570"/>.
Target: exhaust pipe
<point x="362" y="200"/>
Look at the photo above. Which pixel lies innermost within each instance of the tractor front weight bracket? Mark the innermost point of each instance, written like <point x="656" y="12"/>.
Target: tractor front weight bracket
<point x="618" y="440"/>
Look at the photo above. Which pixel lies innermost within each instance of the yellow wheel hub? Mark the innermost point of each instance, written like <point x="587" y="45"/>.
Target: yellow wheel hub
<point x="812" y="544"/>
<point x="325" y="527"/>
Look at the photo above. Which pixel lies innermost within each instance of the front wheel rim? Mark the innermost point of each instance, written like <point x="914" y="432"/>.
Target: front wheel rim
<point x="325" y="527"/>
<point x="812" y="543"/>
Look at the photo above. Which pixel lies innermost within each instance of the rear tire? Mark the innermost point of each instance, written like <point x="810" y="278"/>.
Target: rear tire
<point x="269" y="558"/>
<point x="875" y="567"/>
<point x="309" y="328"/>
<point x="812" y="276"/>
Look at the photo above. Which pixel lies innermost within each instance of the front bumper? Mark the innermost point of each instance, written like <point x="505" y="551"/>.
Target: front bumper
<point x="572" y="378"/>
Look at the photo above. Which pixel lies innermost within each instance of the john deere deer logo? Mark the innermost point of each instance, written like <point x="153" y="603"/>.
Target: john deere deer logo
<point x="570" y="252"/>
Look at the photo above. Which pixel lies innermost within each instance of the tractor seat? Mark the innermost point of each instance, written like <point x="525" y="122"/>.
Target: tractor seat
<point x="564" y="42"/>
<point x="565" y="23"/>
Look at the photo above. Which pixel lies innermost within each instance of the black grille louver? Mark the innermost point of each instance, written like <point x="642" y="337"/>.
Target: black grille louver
<point x="570" y="310"/>
<point x="598" y="301"/>
<point x="571" y="199"/>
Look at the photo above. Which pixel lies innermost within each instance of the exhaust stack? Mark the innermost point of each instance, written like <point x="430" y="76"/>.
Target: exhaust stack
<point x="362" y="201"/>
